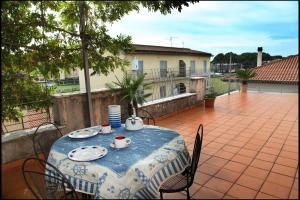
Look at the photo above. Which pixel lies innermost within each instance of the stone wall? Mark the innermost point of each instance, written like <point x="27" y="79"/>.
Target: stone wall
<point x="18" y="145"/>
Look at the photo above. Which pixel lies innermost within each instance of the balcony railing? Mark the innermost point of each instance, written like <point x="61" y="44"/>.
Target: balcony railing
<point x="158" y="75"/>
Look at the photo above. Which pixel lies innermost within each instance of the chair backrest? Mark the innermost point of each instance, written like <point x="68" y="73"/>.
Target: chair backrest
<point x="45" y="181"/>
<point x="43" y="142"/>
<point x="146" y="117"/>
<point x="196" y="154"/>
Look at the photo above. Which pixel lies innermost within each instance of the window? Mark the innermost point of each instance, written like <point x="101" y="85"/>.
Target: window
<point x="193" y="67"/>
<point x="162" y="91"/>
<point x="181" y="88"/>
<point x="140" y="70"/>
<point x="163" y="68"/>
<point x="205" y="66"/>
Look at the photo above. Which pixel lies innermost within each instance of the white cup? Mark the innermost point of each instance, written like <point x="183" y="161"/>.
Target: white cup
<point x="121" y="141"/>
<point x="106" y="128"/>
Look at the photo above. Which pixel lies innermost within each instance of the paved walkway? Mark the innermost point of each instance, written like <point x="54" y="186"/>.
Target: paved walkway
<point x="250" y="146"/>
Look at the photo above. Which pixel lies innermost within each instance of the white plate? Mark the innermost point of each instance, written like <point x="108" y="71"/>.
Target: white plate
<point x="112" y="145"/>
<point x="87" y="153"/>
<point x="85" y="133"/>
<point x="111" y="131"/>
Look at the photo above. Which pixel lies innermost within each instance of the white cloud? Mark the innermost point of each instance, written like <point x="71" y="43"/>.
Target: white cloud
<point x="216" y="27"/>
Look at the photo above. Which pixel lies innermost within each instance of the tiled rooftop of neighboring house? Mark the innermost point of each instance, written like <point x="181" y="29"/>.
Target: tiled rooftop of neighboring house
<point x="285" y="70"/>
<point x="150" y="49"/>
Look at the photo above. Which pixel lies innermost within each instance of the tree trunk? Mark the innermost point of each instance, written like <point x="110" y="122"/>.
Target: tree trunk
<point x="130" y="109"/>
<point x="84" y="43"/>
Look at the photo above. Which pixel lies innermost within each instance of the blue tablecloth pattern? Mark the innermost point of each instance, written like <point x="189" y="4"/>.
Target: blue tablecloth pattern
<point x="137" y="171"/>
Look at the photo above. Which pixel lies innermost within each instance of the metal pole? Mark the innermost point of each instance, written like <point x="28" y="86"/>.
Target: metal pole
<point x="229" y="74"/>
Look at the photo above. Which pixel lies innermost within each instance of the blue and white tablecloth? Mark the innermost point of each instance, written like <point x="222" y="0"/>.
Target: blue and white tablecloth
<point x="137" y="171"/>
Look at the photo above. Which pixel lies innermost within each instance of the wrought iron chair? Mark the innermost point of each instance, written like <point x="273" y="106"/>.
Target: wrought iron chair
<point x="45" y="181"/>
<point x="43" y="142"/>
<point x="183" y="181"/>
<point x="148" y="118"/>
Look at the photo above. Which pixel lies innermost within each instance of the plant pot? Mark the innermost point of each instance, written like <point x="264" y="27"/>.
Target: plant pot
<point x="244" y="87"/>
<point x="209" y="102"/>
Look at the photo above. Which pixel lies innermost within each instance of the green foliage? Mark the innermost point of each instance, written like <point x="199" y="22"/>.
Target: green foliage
<point x="44" y="37"/>
<point x="20" y="92"/>
<point x="211" y="93"/>
<point x="131" y="88"/>
<point x="246" y="59"/>
<point x="245" y="74"/>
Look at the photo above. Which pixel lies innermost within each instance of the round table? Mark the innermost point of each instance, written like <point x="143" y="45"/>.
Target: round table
<point x="136" y="171"/>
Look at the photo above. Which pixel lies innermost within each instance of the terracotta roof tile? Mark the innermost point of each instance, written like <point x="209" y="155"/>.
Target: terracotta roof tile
<point x="285" y="70"/>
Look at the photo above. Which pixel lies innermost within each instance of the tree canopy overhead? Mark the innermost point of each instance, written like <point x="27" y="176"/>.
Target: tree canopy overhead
<point x="44" y="37"/>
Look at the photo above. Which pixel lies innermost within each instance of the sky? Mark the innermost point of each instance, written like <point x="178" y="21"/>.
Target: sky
<point x="218" y="27"/>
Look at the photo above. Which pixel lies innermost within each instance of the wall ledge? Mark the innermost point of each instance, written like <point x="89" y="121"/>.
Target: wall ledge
<point x="167" y="99"/>
<point x="14" y="135"/>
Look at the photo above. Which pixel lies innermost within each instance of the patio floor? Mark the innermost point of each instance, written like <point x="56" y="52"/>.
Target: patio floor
<point x="250" y="149"/>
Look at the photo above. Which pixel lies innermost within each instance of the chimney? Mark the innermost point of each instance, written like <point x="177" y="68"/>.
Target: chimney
<point x="259" y="56"/>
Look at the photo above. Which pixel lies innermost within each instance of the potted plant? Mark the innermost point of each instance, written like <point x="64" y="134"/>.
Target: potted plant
<point x="131" y="89"/>
<point x="209" y="99"/>
<point x="244" y="75"/>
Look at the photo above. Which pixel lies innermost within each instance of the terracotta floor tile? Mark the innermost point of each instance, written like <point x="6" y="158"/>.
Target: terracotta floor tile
<point x="250" y="182"/>
<point x="194" y="188"/>
<point x="261" y="164"/>
<point x="287" y="162"/>
<point x="224" y="154"/>
<point x="290" y="148"/>
<point x="275" y="190"/>
<point x="242" y="192"/>
<point x="288" y="154"/>
<point x="236" y="119"/>
<point x="218" y="185"/>
<point x="296" y="184"/>
<point x="247" y="152"/>
<point x="262" y="195"/>
<point x="203" y="158"/>
<point x="207" y="193"/>
<point x="177" y="195"/>
<point x="280" y="179"/>
<point x="208" y="169"/>
<point x="234" y="166"/>
<point x="254" y="147"/>
<point x="270" y="151"/>
<point x="256" y="172"/>
<point x="266" y="157"/>
<point x="242" y="159"/>
<point x="289" y="171"/>
<point x="228" y="175"/>
<point x="201" y="178"/>
<point x="231" y="149"/>
<point x="237" y="143"/>
<point x="209" y="150"/>
<point x="220" y="162"/>
<point x="294" y="194"/>
<point x="229" y="197"/>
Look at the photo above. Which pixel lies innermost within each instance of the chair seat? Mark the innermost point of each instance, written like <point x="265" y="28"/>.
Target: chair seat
<point x="173" y="184"/>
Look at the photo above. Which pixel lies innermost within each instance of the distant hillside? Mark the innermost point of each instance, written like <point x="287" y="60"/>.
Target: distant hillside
<point x="247" y="60"/>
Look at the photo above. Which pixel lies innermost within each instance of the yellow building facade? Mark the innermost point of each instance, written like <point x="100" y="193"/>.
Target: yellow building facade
<point x="168" y="69"/>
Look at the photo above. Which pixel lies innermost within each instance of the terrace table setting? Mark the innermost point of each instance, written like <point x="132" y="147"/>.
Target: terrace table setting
<point x="98" y="165"/>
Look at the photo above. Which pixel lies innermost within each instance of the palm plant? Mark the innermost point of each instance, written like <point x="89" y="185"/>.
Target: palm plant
<point x="131" y="90"/>
<point x="245" y="74"/>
